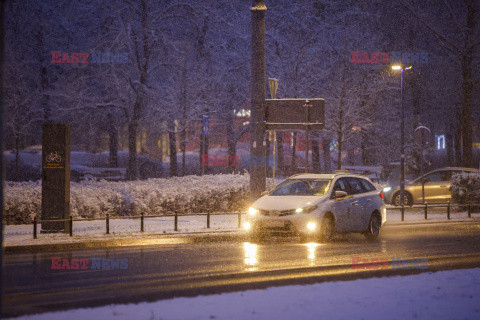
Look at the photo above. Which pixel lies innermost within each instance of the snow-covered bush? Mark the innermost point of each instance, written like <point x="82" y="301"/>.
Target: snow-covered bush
<point x="23" y="201"/>
<point x="89" y="199"/>
<point x="465" y="188"/>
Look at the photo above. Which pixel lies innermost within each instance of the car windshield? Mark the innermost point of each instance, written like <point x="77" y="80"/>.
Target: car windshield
<point x="301" y="187"/>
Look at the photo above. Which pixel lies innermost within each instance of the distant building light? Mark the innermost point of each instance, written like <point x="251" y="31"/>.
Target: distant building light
<point x="440" y="142"/>
<point x="333" y="145"/>
<point x="476" y="145"/>
<point x="242" y="113"/>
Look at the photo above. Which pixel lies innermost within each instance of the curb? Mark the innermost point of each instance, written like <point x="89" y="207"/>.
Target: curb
<point x="126" y="240"/>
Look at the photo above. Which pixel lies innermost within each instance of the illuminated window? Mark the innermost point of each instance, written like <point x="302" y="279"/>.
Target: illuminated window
<point x="333" y="145"/>
<point x="440" y="142"/>
<point x="476" y="145"/>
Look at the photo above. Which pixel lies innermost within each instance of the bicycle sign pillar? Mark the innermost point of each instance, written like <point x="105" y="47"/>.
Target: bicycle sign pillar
<point x="55" y="177"/>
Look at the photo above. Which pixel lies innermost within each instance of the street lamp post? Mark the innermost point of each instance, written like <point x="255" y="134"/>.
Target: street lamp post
<point x="273" y="83"/>
<point x="402" y="137"/>
<point x="2" y="177"/>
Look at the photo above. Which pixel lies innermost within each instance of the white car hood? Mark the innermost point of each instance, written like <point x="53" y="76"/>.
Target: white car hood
<point x="285" y="202"/>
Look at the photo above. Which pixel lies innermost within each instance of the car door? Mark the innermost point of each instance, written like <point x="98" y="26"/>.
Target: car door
<point x="445" y="195"/>
<point x="360" y="203"/>
<point x="373" y="201"/>
<point x="437" y="186"/>
<point x="341" y="208"/>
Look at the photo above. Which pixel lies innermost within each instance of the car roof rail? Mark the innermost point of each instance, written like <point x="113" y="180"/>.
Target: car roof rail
<point x="296" y="174"/>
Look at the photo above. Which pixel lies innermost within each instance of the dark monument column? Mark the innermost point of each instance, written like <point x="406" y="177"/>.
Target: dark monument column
<point x="55" y="177"/>
<point x="257" y="118"/>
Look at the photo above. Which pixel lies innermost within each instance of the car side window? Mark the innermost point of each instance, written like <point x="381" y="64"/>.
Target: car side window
<point x="434" y="177"/>
<point x="446" y="175"/>
<point x="367" y="185"/>
<point x="355" y="185"/>
<point x="340" y="185"/>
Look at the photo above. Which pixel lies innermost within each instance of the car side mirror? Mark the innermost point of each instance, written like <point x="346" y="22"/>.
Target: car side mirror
<point x="340" y="194"/>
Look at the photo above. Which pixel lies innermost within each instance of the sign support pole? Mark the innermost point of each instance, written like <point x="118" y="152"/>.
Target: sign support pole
<point x="307" y="133"/>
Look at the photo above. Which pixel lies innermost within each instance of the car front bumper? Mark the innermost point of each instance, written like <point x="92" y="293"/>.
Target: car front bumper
<point x="296" y="223"/>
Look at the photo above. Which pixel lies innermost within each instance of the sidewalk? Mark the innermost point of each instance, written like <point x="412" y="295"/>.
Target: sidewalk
<point x="123" y="232"/>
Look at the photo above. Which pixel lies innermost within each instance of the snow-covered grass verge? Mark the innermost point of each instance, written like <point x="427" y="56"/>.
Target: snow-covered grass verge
<point x="18" y="235"/>
<point x="441" y="295"/>
<point x="433" y="215"/>
<point x="93" y="199"/>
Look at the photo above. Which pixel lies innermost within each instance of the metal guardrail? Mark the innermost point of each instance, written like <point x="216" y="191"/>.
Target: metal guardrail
<point x="142" y="217"/>
<point x="448" y="207"/>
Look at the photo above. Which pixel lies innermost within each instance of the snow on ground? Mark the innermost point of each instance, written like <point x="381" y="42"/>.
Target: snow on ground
<point x="15" y="235"/>
<point x="416" y="214"/>
<point x="441" y="295"/>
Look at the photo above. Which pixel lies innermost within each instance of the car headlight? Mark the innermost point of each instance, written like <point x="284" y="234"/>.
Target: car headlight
<point x="306" y="209"/>
<point x="252" y="211"/>
<point x="386" y="189"/>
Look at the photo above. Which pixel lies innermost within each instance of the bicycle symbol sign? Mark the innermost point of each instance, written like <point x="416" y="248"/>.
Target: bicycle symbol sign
<point x="53" y="157"/>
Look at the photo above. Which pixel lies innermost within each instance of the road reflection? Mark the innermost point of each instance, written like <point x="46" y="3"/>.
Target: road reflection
<point x="250" y="255"/>
<point x="311" y="251"/>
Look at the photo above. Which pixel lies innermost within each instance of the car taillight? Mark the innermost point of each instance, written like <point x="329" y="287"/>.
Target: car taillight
<point x="381" y="195"/>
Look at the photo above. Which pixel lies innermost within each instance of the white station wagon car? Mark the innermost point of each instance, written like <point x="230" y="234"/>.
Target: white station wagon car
<point x="316" y="206"/>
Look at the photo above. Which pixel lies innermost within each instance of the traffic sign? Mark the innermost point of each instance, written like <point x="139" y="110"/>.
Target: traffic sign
<point x="295" y="114"/>
<point x="205" y="126"/>
<point x="422" y="136"/>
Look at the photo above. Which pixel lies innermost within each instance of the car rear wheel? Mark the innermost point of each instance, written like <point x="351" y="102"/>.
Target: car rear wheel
<point x="407" y="199"/>
<point x="373" y="229"/>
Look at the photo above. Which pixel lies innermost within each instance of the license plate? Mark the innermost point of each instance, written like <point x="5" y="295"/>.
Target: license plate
<point x="274" y="224"/>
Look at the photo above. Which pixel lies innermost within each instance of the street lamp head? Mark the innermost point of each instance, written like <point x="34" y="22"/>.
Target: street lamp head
<point x="400" y="67"/>
<point x="273" y="83"/>
<point x="258" y="5"/>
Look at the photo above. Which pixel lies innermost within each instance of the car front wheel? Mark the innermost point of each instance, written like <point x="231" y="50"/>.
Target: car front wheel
<point x="256" y="236"/>
<point x="327" y="230"/>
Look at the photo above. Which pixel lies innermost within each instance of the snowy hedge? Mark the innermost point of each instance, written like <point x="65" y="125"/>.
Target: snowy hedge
<point x="465" y="188"/>
<point x="190" y="194"/>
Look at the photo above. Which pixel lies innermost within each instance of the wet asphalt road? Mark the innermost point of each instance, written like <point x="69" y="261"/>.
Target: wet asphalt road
<point x="185" y="268"/>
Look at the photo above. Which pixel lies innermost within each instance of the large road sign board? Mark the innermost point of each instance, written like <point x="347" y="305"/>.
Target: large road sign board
<point x="295" y="114"/>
